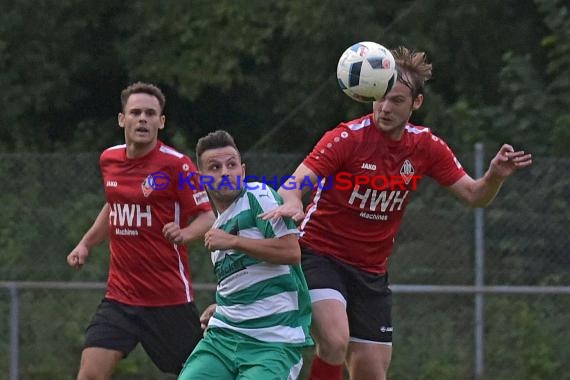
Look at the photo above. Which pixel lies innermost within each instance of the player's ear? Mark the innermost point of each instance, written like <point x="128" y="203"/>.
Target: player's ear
<point x="418" y="101"/>
<point x="121" y="119"/>
<point x="162" y="121"/>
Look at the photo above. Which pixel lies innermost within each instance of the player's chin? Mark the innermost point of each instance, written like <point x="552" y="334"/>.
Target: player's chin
<point x="142" y="139"/>
<point x="386" y="125"/>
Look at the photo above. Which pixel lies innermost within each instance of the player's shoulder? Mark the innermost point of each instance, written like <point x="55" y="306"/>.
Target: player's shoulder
<point x="420" y="134"/>
<point x="358" y="126"/>
<point x="426" y="140"/>
<point x="351" y="131"/>
<point x="169" y="152"/>
<point x="114" y="152"/>
<point x="260" y="190"/>
<point x="172" y="156"/>
<point x="417" y="130"/>
<point x="263" y="193"/>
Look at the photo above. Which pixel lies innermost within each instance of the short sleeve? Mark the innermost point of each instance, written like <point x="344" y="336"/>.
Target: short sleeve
<point x="261" y="201"/>
<point x="193" y="199"/>
<point x="444" y="167"/>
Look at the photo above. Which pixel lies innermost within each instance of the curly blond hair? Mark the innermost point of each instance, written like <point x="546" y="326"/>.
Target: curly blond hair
<point x="413" y="69"/>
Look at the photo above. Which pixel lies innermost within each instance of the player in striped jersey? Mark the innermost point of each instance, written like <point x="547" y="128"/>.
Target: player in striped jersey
<point x="263" y="311"/>
<point x="348" y="232"/>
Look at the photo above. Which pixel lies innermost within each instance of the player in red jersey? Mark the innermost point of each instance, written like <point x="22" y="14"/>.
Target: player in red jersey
<point x="149" y="300"/>
<point x="348" y="232"/>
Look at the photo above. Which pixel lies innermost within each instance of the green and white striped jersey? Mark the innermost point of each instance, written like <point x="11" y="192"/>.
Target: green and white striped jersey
<point x="267" y="302"/>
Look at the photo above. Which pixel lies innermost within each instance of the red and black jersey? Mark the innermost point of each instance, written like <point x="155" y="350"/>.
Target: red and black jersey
<point x="366" y="182"/>
<point x="143" y="195"/>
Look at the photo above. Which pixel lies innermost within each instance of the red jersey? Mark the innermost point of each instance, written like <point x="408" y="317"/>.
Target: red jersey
<point x="145" y="268"/>
<point x="356" y="222"/>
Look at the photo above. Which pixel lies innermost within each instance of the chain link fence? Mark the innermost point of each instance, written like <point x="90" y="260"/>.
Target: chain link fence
<point x="49" y="200"/>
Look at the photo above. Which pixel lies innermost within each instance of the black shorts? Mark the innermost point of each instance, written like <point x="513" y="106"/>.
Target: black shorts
<point x="367" y="296"/>
<point x="168" y="334"/>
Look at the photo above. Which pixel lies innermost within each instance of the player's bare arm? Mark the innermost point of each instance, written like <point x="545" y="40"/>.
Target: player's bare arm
<point x="292" y="194"/>
<point x="206" y="315"/>
<point x="283" y="250"/>
<point x="195" y="229"/>
<point x="481" y="192"/>
<point x="98" y="232"/>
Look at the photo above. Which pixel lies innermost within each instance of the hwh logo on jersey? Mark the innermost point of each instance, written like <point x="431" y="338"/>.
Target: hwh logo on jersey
<point x="387" y="199"/>
<point x="129" y="215"/>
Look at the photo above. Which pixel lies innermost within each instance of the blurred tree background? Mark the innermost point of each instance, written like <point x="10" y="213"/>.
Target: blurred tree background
<point x="265" y="71"/>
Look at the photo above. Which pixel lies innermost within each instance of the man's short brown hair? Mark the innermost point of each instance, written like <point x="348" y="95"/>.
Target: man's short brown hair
<point x="143" y="88"/>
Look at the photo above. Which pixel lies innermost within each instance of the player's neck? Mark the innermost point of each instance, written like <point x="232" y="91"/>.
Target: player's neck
<point x="391" y="131"/>
<point x="136" y="150"/>
<point x="221" y="206"/>
<point x="223" y="203"/>
<point x="394" y="134"/>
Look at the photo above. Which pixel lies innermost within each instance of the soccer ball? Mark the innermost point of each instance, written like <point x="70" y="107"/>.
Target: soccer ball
<point x="366" y="71"/>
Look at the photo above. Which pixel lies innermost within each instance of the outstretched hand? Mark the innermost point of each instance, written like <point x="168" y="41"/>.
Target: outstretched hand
<point x="286" y="210"/>
<point x="507" y="161"/>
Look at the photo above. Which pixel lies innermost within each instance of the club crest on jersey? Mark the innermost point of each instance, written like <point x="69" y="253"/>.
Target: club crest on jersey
<point x="407" y="171"/>
<point x="147" y="186"/>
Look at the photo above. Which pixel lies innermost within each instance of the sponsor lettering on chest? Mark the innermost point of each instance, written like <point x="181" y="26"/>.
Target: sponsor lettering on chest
<point x="130" y="215"/>
<point x="371" y="199"/>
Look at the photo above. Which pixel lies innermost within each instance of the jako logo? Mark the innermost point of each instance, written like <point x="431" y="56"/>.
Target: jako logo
<point x="368" y="166"/>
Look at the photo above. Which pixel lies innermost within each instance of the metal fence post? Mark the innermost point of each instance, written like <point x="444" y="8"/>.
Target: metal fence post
<point x="14" y="331"/>
<point x="479" y="231"/>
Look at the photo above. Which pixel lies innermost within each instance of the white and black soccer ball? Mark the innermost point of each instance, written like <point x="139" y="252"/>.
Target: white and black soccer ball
<point x="366" y="71"/>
